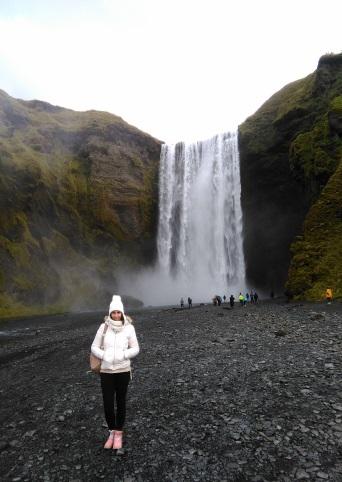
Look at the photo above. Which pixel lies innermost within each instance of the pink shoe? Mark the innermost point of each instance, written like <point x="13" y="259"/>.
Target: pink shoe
<point x="110" y="441"/>
<point x="117" y="439"/>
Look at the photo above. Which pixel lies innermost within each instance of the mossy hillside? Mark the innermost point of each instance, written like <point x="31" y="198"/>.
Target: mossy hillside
<point x="317" y="254"/>
<point x="336" y="105"/>
<point x="314" y="154"/>
<point x="294" y="109"/>
<point x="288" y="150"/>
<point x="9" y="307"/>
<point x="260" y="131"/>
<point x="71" y="186"/>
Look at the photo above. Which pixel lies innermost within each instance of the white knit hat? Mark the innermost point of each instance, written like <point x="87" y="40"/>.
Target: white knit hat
<point x="116" y="305"/>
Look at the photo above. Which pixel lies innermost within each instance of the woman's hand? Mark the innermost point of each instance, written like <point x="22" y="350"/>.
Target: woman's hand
<point x="119" y="356"/>
<point x="108" y="356"/>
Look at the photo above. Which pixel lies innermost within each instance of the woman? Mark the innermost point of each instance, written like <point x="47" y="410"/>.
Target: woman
<point x="120" y="344"/>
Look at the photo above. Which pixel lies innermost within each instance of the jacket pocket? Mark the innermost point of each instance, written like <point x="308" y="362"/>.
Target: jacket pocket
<point x="106" y="366"/>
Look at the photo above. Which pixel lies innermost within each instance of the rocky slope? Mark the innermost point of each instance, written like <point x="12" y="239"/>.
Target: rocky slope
<point x="78" y="199"/>
<point x="290" y="149"/>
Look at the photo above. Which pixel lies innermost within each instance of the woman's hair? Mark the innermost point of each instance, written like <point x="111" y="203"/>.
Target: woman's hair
<point x="108" y="316"/>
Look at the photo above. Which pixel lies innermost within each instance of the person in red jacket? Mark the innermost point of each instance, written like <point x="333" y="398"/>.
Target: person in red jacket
<point x="120" y="344"/>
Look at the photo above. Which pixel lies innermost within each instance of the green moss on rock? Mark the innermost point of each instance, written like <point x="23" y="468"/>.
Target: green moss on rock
<point x="76" y="199"/>
<point x="289" y="150"/>
<point x="313" y="156"/>
<point x="336" y="105"/>
<point x="317" y="258"/>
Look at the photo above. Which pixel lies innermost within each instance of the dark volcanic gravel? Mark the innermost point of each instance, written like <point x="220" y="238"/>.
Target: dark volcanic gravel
<point x="250" y="394"/>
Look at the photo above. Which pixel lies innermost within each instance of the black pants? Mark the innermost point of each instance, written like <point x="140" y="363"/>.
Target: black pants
<point x="114" y="386"/>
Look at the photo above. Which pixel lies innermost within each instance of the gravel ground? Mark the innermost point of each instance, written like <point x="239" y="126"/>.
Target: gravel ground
<point x="249" y="394"/>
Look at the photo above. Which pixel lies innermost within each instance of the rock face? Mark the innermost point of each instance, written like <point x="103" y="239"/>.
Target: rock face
<point x="290" y="149"/>
<point x="78" y="199"/>
<point x="316" y="262"/>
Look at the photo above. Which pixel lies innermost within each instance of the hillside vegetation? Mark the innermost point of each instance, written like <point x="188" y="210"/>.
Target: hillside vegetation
<point x="290" y="151"/>
<point x="78" y="200"/>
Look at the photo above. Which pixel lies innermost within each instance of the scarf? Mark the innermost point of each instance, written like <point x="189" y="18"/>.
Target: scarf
<point x="115" y="325"/>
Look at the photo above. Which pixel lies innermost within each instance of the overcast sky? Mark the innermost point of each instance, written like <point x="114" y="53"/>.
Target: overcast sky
<point x="177" y="69"/>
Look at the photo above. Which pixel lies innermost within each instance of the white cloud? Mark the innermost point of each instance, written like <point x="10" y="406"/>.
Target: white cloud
<point x="178" y="70"/>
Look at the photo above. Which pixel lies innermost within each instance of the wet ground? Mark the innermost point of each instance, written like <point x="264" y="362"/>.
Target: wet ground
<point x="249" y="394"/>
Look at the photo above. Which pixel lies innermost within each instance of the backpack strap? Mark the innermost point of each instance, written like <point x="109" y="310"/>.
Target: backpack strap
<point x="103" y="335"/>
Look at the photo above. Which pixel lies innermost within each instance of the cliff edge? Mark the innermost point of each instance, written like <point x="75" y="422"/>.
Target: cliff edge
<point x="290" y="150"/>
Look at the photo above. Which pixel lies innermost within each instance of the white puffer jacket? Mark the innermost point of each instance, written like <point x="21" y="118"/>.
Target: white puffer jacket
<point x="119" y="347"/>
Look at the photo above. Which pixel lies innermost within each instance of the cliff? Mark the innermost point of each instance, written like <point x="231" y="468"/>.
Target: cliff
<point x="78" y="200"/>
<point x="290" y="152"/>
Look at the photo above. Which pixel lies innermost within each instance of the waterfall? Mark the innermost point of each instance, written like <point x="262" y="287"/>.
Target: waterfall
<point x="200" y="218"/>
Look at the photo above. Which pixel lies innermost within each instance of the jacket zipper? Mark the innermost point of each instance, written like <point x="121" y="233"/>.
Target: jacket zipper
<point x="114" y="347"/>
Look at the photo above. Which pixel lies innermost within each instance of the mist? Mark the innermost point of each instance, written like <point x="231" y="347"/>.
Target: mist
<point x="154" y="287"/>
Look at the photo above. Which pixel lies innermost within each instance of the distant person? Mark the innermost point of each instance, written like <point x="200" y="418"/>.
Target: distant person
<point x="219" y="300"/>
<point x="247" y="297"/>
<point x="189" y="302"/>
<point x="328" y="295"/>
<point x="182" y="303"/>
<point x="115" y="344"/>
<point x="256" y="297"/>
<point x="224" y="298"/>
<point x="241" y="299"/>
<point x="231" y="301"/>
<point x="251" y="296"/>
